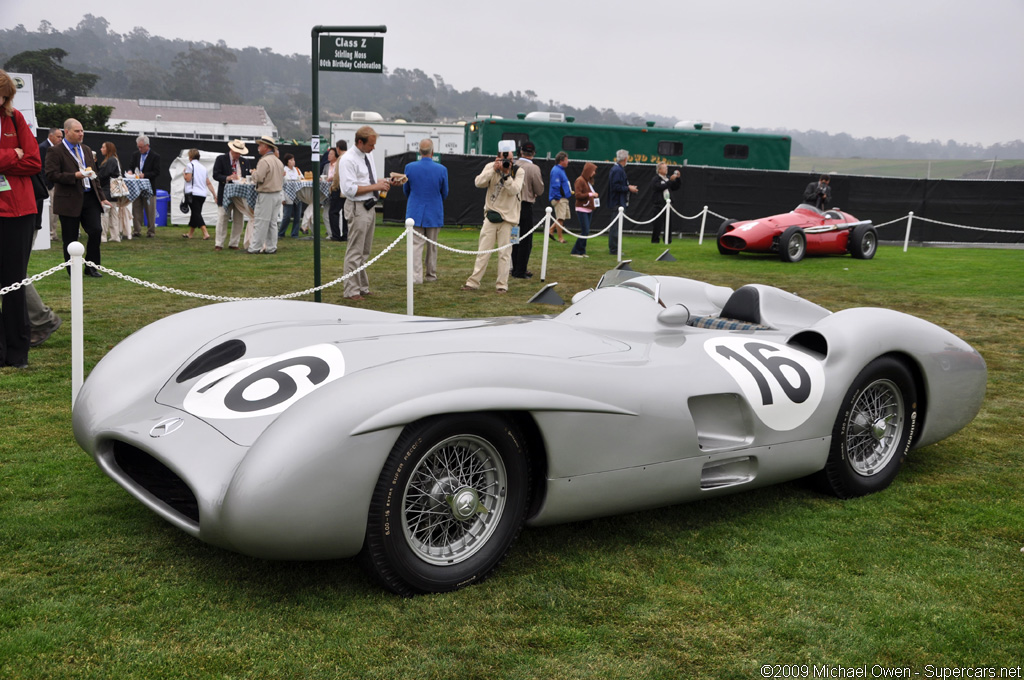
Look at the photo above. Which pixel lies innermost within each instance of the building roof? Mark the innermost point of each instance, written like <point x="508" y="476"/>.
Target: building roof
<point x="180" y="111"/>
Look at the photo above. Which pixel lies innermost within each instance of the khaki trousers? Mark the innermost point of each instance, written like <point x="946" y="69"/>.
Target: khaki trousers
<point x="228" y="213"/>
<point x="492" y="235"/>
<point x="361" y="225"/>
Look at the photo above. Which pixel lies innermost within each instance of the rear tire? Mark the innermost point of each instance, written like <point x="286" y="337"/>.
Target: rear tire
<point x="722" y="231"/>
<point x="792" y="245"/>
<point x="449" y="503"/>
<point x="873" y="431"/>
<point x="863" y="242"/>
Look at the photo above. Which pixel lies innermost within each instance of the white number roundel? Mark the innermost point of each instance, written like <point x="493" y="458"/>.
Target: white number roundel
<point x="263" y="386"/>
<point x="782" y="386"/>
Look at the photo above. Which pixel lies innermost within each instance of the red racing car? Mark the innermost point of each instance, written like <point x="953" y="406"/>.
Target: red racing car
<point x="803" y="231"/>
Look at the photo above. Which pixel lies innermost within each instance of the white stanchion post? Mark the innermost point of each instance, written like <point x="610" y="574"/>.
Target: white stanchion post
<point x="668" y="216"/>
<point x="76" y="250"/>
<point x="409" y="224"/>
<point x="618" y="255"/>
<point x="906" y="239"/>
<point x="544" y="256"/>
<point x="703" y="221"/>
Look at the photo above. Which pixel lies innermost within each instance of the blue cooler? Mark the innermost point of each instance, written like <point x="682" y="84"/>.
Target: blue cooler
<point x="163" y="207"/>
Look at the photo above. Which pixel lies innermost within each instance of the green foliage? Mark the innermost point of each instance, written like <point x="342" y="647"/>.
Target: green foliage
<point x="94" y="118"/>
<point x="53" y="82"/>
<point x="94" y="585"/>
<point x="203" y="75"/>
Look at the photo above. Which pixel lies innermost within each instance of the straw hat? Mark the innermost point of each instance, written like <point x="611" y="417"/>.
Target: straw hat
<point x="269" y="141"/>
<point x="237" y="146"/>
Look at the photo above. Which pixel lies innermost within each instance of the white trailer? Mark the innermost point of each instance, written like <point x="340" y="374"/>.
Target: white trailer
<point x="398" y="137"/>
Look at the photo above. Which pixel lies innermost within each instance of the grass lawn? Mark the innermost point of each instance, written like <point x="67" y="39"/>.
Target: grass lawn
<point x="884" y="167"/>
<point x="93" y="585"/>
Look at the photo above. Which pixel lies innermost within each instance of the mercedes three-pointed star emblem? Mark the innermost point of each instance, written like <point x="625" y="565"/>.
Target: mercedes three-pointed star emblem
<point x="166" y="427"/>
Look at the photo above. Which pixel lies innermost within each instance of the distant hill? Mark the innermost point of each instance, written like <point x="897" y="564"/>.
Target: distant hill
<point x="141" y="65"/>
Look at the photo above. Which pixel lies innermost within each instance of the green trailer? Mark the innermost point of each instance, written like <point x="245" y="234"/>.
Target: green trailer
<point x="691" y="145"/>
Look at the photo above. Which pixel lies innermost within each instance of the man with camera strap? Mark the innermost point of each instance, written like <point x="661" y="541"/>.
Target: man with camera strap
<point x="504" y="183"/>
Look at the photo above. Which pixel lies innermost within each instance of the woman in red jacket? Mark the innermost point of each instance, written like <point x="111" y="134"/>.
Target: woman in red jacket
<point x="19" y="160"/>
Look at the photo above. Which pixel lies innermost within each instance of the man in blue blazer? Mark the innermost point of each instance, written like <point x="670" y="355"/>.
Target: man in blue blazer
<point x="426" y="189"/>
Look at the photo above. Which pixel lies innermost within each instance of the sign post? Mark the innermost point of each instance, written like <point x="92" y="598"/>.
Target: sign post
<point x="346" y="54"/>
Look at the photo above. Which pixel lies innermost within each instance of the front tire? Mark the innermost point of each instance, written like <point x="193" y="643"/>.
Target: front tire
<point x="722" y="231"/>
<point x="792" y="245"/>
<point x="449" y="503"/>
<point x="873" y="431"/>
<point x="863" y="242"/>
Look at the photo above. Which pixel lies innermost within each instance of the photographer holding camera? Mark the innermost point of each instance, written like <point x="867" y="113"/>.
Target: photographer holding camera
<point x="504" y="183"/>
<point x="819" y="194"/>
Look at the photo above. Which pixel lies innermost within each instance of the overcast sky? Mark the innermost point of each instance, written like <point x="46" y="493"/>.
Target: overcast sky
<point x="928" y="69"/>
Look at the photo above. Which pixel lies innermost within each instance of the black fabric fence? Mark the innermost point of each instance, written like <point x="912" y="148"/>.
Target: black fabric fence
<point x="749" y="194"/>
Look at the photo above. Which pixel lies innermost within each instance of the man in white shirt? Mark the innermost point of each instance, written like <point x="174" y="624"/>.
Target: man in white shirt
<point x="360" y="189"/>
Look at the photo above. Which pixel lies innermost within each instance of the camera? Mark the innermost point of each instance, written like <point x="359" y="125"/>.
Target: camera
<point x="506" y="159"/>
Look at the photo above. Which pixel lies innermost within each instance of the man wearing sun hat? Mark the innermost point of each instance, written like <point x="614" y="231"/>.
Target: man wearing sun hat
<point x="229" y="167"/>
<point x="269" y="180"/>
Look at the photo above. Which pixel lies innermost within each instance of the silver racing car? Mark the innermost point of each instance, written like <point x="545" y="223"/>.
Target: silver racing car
<point x="296" y="430"/>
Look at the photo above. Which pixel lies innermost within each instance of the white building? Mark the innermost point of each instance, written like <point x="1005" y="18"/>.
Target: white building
<point x="194" y="120"/>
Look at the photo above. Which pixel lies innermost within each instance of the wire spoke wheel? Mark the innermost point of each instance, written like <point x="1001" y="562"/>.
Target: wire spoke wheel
<point x="454" y="499"/>
<point x="875" y="427"/>
<point x="450" y="501"/>
<point x="873" y="430"/>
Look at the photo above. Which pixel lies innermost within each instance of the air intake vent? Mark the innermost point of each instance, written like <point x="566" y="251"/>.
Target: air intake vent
<point x="221" y="355"/>
<point x="157" y="479"/>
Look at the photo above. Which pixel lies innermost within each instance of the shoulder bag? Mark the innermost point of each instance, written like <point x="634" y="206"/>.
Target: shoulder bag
<point x="187" y="198"/>
<point x="118" y="187"/>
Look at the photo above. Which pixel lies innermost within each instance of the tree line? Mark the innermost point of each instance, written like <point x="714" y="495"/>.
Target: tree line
<point x="138" y="65"/>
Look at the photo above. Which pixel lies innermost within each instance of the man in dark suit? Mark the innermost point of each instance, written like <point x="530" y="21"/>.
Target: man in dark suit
<point x="53" y="139"/>
<point x="76" y="191"/>
<point x="146" y="165"/>
<point x="229" y="167"/>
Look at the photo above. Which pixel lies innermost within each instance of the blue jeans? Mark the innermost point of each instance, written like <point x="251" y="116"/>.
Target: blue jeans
<point x="291" y="212"/>
<point x="580" y="247"/>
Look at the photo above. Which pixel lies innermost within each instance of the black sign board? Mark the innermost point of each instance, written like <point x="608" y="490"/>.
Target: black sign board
<point x="351" y="54"/>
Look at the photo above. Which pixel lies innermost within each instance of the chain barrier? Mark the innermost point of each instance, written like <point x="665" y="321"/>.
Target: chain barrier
<point x="32" y="279"/>
<point x="223" y="298"/>
<point x="685" y="217"/>
<point x="660" y="213"/>
<point x="442" y="246"/>
<point x="964" y="226"/>
<point x="566" y="229"/>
